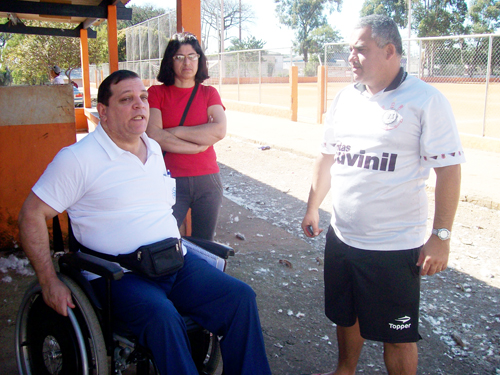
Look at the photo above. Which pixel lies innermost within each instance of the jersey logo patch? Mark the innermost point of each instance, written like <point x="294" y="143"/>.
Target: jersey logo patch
<point x="391" y="118"/>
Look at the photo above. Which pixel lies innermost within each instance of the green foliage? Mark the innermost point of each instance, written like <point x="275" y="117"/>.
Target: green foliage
<point x="485" y="16"/>
<point x="306" y="16"/>
<point x="429" y="17"/>
<point x="322" y="35"/>
<point x="5" y="77"/>
<point x="440" y="17"/>
<point x="396" y="9"/>
<point x="141" y="14"/>
<point x="244" y="44"/>
<point x="31" y="56"/>
<point x="98" y="47"/>
<point x="248" y="61"/>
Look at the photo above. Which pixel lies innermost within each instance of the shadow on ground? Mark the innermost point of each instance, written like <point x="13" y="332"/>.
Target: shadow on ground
<point x="286" y="272"/>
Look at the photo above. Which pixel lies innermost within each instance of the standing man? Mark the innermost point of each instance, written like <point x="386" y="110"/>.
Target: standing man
<point x="55" y="76"/>
<point x="382" y="136"/>
<point x="119" y="197"/>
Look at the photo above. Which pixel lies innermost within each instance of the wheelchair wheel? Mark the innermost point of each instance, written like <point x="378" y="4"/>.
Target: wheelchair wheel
<point x="205" y="351"/>
<point x="51" y="344"/>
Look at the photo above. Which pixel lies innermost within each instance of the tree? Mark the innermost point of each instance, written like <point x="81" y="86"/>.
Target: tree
<point x="248" y="60"/>
<point x="321" y="36"/>
<point x="233" y="17"/>
<point x="245" y="44"/>
<point x="31" y="56"/>
<point x="397" y="10"/>
<point x="140" y="14"/>
<point x="485" y="16"/>
<point x="305" y="16"/>
<point x="429" y="17"/>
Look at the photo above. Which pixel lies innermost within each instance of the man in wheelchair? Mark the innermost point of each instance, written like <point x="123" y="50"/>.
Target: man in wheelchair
<point x="119" y="197"/>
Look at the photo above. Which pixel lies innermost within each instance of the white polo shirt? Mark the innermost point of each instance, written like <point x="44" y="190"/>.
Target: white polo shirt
<point x="384" y="147"/>
<point x="115" y="202"/>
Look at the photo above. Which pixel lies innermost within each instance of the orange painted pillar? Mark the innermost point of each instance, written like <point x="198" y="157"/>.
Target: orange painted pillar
<point x="189" y="17"/>
<point x="294" y="88"/>
<point x="112" y="38"/>
<point x="321" y="93"/>
<point x="84" y="55"/>
<point x="29" y="140"/>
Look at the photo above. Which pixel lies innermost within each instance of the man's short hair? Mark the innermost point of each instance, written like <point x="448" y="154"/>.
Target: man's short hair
<point x="104" y="92"/>
<point x="384" y="31"/>
<point x="166" y="74"/>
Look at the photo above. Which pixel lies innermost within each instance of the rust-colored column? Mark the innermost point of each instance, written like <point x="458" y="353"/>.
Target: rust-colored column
<point x="321" y="93"/>
<point x="112" y="38"/>
<point x="84" y="56"/>
<point x="294" y="88"/>
<point x="29" y="140"/>
<point x="189" y="17"/>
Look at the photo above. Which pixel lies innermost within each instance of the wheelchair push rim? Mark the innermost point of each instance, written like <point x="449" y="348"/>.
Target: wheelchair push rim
<point x="49" y="343"/>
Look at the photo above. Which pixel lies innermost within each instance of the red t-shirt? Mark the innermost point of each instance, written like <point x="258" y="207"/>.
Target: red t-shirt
<point x="171" y="101"/>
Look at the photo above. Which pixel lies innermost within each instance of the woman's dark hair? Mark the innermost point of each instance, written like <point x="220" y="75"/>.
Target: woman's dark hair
<point x="166" y="74"/>
<point x="104" y="92"/>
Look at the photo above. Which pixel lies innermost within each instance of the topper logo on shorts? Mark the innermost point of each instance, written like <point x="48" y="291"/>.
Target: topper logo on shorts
<point x="402" y="323"/>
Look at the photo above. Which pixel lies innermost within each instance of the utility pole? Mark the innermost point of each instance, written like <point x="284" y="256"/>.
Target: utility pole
<point x="408" y="55"/>
<point x="221" y="26"/>
<point x="240" y="20"/>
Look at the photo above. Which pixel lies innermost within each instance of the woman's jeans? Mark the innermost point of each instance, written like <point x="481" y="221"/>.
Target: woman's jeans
<point x="203" y="194"/>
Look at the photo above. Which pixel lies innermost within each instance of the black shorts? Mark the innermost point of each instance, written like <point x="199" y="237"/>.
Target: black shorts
<point x="379" y="288"/>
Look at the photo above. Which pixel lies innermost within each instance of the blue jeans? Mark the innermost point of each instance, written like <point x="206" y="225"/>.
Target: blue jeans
<point x="218" y="302"/>
<point x="203" y="194"/>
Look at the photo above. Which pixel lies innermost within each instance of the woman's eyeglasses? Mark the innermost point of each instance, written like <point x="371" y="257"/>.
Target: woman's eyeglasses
<point x="191" y="57"/>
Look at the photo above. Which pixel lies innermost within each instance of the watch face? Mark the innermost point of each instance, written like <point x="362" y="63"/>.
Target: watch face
<point x="443" y="234"/>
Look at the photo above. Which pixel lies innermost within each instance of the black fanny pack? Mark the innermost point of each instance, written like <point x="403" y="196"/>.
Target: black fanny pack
<point x="155" y="260"/>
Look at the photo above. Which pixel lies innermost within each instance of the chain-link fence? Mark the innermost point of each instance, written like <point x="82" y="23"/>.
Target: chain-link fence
<point x="466" y="69"/>
<point x="252" y="75"/>
<point x="146" y="43"/>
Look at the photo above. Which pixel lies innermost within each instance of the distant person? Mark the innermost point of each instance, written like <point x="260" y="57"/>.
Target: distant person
<point x="55" y="76"/>
<point x="189" y="152"/>
<point x="382" y="136"/>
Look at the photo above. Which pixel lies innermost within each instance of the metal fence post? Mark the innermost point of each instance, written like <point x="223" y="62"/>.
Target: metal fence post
<point x="260" y="77"/>
<point x="326" y="77"/>
<point x="420" y="59"/>
<point x="238" y="73"/>
<point x="488" y="73"/>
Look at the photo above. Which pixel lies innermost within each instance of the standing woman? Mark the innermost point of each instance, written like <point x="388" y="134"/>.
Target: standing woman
<point x="188" y="148"/>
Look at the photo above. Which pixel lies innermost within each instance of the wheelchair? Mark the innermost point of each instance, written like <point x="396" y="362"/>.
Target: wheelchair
<point x="82" y="342"/>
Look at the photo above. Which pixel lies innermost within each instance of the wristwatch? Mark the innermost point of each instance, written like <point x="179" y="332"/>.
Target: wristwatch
<point x="442" y="233"/>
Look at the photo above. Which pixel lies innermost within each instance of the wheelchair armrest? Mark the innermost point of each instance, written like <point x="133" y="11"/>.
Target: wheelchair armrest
<point x="222" y="251"/>
<point x="92" y="264"/>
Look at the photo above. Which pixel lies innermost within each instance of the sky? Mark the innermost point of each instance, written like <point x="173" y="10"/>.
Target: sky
<point x="267" y="27"/>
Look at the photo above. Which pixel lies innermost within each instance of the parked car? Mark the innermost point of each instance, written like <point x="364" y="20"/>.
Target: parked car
<point x="78" y="97"/>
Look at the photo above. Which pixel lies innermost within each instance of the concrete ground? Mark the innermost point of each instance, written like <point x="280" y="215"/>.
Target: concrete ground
<point x="480" y="174"/>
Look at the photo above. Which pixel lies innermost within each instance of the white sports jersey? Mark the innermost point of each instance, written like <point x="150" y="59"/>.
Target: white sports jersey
<point x="384" y="147"/>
